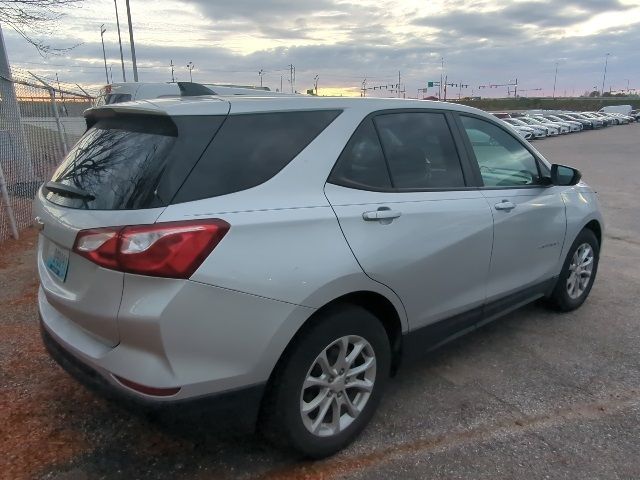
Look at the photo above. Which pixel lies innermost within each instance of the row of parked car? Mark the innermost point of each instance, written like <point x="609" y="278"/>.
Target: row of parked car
<point x="548" y="123"/>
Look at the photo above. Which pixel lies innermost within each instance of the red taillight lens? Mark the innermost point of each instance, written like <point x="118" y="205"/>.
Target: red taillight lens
<point x="171" y="249"/>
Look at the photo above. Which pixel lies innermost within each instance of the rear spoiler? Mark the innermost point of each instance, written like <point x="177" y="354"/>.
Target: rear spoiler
<point x="93" y="115"/>
<point x="144" y="120"/>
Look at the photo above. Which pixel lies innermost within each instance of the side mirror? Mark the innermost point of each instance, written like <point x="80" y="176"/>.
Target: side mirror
<point x="564" y="176"/>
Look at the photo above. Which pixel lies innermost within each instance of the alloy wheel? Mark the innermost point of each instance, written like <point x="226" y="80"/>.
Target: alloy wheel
<point x="580" y="271"/>
<point x="338" y="386"/>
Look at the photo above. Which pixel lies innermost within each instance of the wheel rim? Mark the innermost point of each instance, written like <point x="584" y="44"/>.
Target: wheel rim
<point x="338" y="385"/>
<point x="580" y="271"/>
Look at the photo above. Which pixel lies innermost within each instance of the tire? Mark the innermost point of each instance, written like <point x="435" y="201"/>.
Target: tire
<point x="283" y="421"/>
<point x="570" y="292"/>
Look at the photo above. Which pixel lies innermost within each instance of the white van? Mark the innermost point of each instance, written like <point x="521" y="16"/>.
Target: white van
<point x="623" y="109"/>
<point x="129" y="91"/>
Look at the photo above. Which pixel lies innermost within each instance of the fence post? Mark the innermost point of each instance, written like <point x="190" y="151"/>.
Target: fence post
<point x="63" y="138"/>
<point x="5" y="198"/>
<point x="18" y="154"/>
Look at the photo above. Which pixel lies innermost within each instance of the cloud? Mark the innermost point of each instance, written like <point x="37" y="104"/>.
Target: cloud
<point x="261" y="10"/>
<point x="482" y="41"/>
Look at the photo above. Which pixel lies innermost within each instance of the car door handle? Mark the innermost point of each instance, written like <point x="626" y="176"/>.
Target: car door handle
<point x="505" y="205"/>
<point x="381" y="214"/>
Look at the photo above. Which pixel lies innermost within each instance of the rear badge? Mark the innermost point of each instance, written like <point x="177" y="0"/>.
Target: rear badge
<point x="38" y="224"/>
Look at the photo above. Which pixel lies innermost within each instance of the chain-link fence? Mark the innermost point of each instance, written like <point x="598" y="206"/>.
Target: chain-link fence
<point x="40" y="119"/>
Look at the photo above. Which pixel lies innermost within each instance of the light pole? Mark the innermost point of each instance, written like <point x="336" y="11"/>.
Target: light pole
<point x="124" y="75"/>
<point x="190" y="66"/>
<point x="604" y="76"/>
<point x="441" y="73"/>
<point x="260" y="74"/>
<point x="555" y="78"/>
<point x="104" y="55"/>
<point x="133" y="47"/>
<point x="315" y="83"/>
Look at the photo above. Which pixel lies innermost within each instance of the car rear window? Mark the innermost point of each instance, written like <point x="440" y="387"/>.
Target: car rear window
<point x="129" y="162"/>
<point x="250" y="149"/>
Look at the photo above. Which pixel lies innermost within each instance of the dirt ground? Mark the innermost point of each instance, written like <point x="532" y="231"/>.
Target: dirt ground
<point x="533" y="395"/>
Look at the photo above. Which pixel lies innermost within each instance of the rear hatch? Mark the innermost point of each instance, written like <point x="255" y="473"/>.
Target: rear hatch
<point x="124" y="171"/>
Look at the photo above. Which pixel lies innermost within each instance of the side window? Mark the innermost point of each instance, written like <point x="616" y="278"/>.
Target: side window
<point x="250" y="149"/>
<point x="420" y="150"/>
<point x="361" y="164"/>
<point x="503" y="160"/>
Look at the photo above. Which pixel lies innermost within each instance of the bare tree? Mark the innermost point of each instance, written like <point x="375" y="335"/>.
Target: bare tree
<point x="34" y="18"/>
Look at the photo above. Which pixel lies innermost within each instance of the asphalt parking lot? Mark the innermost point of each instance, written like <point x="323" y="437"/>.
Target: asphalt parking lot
<point x="533" y="395"/>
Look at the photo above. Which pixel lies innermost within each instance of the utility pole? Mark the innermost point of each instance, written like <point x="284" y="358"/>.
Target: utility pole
<point x="124" y="75"/>
<point x="104" y="55"/>
<point x="292" y="77"/>
<point x="133" y="47"/>
<point x="281" y="78"/>
<point x="461" y="85"/>
<point x="441" y="73"/>
<point x="555" y="78"/>
<point x="315" y="83"/>
<point x="606" y="60"/>
<point x="260" y="74"/>
<point x="515" y="90"/>
<point x="445" y="88"/>
<point x="61" y="92"/>
<point x="190" y="66"/>
<point x="173" y="77"/>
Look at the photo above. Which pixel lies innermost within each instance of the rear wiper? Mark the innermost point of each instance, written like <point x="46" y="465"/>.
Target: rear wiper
<point x="68" y="190"/>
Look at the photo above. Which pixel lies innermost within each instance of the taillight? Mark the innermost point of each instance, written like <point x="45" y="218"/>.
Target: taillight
<point x="100" y="245"/>
<point x="171" y="249"/>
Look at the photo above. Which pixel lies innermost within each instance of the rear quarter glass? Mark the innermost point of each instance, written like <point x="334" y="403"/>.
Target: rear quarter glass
<point x="250" y="149"/>
<point x="130" y="162"/>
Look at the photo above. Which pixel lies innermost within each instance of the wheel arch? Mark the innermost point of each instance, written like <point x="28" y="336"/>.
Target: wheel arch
<point x="373" y="302"/>
<point x="595" y="226"/>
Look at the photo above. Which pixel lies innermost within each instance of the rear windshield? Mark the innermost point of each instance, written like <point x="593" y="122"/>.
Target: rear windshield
<point x="133" y="161"/>
<point x="250" y="149"/>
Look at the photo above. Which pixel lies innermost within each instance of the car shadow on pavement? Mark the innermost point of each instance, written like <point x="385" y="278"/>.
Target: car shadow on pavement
<point x="142" y="442"/>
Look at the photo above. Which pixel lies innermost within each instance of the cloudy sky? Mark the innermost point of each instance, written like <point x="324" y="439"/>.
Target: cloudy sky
<point x="482" y="42"/>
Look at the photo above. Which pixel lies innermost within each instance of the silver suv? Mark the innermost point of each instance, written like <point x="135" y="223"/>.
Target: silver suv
<point x="286" y="255"/>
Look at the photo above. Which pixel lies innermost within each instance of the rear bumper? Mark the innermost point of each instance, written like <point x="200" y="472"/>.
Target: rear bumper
<point x="222" y="405"/>
<point x="180" y="340"/>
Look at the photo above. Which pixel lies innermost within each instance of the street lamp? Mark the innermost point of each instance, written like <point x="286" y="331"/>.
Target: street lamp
<point x="555" y="78"/>
<point x="124" y="75"/>
<point x="604" y="76"/>
<point x="133" y="47"/>
<point x="315" y="83"/>
<point x="104" y="55"/>
<point x="190" y="66"/>
<point x="260" y="74"/>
